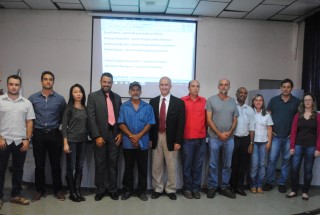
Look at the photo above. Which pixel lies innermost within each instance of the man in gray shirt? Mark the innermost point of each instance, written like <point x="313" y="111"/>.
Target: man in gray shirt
<point x="222" y="116"/>
<point x="16" y="120"/>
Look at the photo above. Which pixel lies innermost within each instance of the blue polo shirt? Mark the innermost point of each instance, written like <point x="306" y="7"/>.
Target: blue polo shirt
<point x="136" y="120"/>
<point x="49" y="111"/>
<point x="282" y="114"/>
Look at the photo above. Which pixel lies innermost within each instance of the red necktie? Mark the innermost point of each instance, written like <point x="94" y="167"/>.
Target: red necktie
<point x="162" y="117"/>
<point x="111" y="118"/>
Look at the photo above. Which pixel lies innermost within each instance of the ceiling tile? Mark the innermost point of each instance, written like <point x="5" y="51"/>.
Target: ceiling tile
<point x="206" y="8"/>
<point x="124" y="2"/>
<point x="124" y="8"/>
<point x="96" y="4"/>
<point x="41" y="4"/>
<point x="264" y="12"/>
<point x="180" y="11"/>
<point x="301" y="7"/>
<point x="67" y="1"/>
<point x="243" y="5"/>
<point x="67" y="6"/>
<point x="14" y="5"/>
<point x="151" y="6"/>
<point x="231" y="14"/>
<point x="183" y="3"/>
<point x="283" y="17"/>
<point x="278" y="2"/>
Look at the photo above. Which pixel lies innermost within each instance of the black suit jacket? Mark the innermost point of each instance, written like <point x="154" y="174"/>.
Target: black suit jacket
<point x="174" y="122"/>
<point x="98" y="114"/>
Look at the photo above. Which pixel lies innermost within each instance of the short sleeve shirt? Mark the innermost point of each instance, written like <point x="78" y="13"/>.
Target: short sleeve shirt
<point x="223" y="113"/>
<point x="13" y="116"/>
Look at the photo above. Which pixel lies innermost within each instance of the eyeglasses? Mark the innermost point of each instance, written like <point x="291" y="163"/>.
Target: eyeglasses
<point x="307" y="100"/>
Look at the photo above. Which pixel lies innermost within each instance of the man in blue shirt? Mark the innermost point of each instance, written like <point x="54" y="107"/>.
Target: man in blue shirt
<point x="282" y="109"/>
<point x="49" y="107"/>
<point x="135" y="120"/>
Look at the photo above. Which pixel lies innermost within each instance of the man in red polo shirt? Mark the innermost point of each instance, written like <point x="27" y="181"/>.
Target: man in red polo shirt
<point x="194" y="147"/>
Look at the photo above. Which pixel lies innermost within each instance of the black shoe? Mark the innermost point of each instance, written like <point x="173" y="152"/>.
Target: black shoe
<point x="211" y="193"/>
<point x="241" y="192"/>
<point x="188" y="194"/>
<point x="282" y="189"/>
<point x="98" y="196"/>
<point x="114" y="195"/>
<point x="228" y="193"/>
<point x="172" y="196"/>
<point x="267" y="187"/>
<point x="143" y="197"/>
<point x="126" y="195"/>
<point x="196" y="195"/>
<point x="73" y="197"/>
<point x="155" y="195"/>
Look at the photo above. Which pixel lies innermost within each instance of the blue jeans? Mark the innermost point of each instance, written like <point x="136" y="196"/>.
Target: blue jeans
<point x="193" y="154"/>
<point x="308" y="154"/>
<point x="279" y="144"/>
<point x="258" y="167"/>
<point x="214" y="150"/>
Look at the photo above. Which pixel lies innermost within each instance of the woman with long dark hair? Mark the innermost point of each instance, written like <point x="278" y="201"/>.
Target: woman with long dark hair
<point x="74" y="130"/>
<point x="262" y="143"/>
<point x="304" y="143"/>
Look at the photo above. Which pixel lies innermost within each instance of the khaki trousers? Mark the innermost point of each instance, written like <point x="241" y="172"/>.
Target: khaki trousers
<point x="161" y="157"/>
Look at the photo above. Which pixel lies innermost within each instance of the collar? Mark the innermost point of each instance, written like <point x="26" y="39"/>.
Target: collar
<point x="6" y="96"/>
<point x="167" y="97"/>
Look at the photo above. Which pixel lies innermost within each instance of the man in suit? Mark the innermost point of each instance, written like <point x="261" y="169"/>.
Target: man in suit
<point x="103" y="112"/>
<point x="166" y="137"/>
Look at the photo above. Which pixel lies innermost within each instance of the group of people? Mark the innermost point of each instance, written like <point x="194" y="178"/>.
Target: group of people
<point x="166" y="124"/>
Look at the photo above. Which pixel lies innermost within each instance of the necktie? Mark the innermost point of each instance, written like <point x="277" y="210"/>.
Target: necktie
<point x="111" y="118"/>
<point x="162" y="117"/>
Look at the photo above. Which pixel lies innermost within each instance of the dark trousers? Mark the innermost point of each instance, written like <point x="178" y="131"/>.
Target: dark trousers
<point x="106" y="165"/>
<point x="75" y="158"/>
<point x="132" y="156"/>
<point x="50" y="142"/>
<point x="18" y="158"/>
<point x="240" y="161"/>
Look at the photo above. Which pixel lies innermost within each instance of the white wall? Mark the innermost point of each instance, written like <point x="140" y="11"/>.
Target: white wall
<point x="241" y="50"/>
<point x="35" y="41"/>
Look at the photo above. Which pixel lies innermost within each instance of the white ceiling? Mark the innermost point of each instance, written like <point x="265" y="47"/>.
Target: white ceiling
<point x="279" y="10"/>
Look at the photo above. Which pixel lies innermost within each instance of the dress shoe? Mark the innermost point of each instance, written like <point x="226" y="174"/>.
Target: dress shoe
<point x="114" y="195"/>
<point x="155" y="195"/>
<point x="143" y="196"/>
<point x="196" y="195"/>
<point x="188" y="194"/>
<point x="241" y="192"/>
<point x="291" y="195"/>
<point x="37" y="196"/>
<point x="228" y="193"/>
<point x="305" y="196"/>
<point x="211" y="193"/>
<point x="282" y="189"/>
<point x="267" y="187"/>
<point x="60" y="195"/>
<point x="172" y="196"/>
<point x="73" y="197"/>
<point x="126" y="195"/>
<point x="98" y="196"/>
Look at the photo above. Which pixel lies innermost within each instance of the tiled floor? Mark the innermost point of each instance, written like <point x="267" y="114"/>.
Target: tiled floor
<point x="269" y="203"/>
